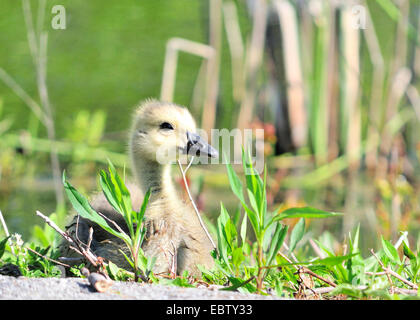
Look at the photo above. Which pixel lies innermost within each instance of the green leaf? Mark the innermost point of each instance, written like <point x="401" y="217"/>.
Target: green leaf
<point x="253" y="180"/>
<point x="253" y="217"/>
<point x="407" y="252"/>
<point x="236" y="186"/>
<point x="3" y="245"/>
<point x="127" y="258"/>
<point x="82" y="206"/>
<point x="140" y="231"/>
<point x="237" y="257"/>
<point x="305" y="212"/>
<point x="243" y="229"/>
<point x="235" y="183"/>
<point x="276" y="242"/>
<point x="297" y="234"/>
<point x="238" y="284"/>
<point x="109" y="190"/>
<point x="222" y="241"/>
<point x="253" y="201"/>
<point x="149" y="266"/>
<point x="236" y="216"/>
<point x="390" y="251"/>
<point x="117" y="194"/>
<point x="354" y="245"/>
<point x="112" y="269"/>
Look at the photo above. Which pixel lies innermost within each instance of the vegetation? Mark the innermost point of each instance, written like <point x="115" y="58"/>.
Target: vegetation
<point x="118" y="196"/>
<point x="261" y="266"/>
<point x="345" y="138"/>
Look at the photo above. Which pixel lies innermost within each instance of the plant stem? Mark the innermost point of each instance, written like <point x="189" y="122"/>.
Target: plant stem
<point x="260" y="275"/>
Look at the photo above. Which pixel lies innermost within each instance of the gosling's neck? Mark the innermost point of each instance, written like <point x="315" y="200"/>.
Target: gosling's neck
<point x="156" y="177"/>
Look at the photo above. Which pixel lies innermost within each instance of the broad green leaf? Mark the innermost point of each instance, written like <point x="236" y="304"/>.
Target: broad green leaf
<point x="390" y="251"/>
<point x="305" y="212"/>
<point x="297" y="234"/>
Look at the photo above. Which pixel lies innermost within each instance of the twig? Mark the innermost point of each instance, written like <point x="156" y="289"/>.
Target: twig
<point x="310" y="272"/>
<point x="173" y="261"/>
<point x="375" y="273"/>
<point x="45" y="257"/>
<point x="384" y="268"/>
<point x="192" y="201"/>
<point x="90" y="237"/>
<point x="113" y="222"/>
<point x="55" y="227"/>
<point x="389" y="271"/>
<point x="89" y="255"/>
<point x="316" y="291"/>
<point x="410" y="292"/>
<point x="291" y="253"/>
<point x="288" y="260"/>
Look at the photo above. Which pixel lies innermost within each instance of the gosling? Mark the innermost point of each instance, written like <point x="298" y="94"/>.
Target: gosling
<point x="160" y="133"/>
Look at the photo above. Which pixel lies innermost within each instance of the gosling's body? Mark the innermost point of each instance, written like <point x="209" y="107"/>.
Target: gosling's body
<point x="173" y="227"/>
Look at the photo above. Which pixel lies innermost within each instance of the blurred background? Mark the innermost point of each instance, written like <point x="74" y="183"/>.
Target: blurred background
<point x="334" y="84"/>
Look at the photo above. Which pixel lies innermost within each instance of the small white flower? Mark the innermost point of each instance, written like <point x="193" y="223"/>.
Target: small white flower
<point x="17" y="239"/>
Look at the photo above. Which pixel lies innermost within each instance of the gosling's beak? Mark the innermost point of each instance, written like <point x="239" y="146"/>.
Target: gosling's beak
<point x="196" y="146"/>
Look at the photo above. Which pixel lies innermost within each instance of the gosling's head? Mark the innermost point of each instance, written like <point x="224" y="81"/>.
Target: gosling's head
<point x="162" y="132"/>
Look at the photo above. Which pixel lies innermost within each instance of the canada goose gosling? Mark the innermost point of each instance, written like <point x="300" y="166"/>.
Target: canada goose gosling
<point x="167" y="129"/>
<point x="174" y="234"/>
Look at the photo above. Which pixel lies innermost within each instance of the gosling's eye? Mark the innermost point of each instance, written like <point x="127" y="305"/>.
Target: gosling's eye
<point x="166" y="125"/>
